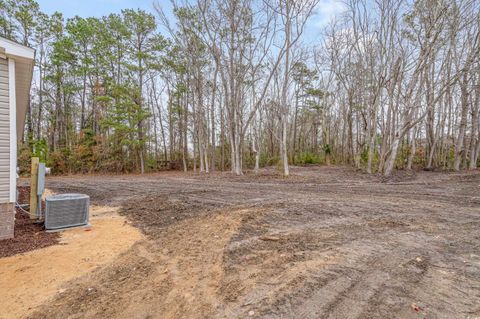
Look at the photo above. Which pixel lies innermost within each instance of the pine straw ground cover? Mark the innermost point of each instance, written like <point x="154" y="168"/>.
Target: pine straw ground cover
<point x="29" y="235"/>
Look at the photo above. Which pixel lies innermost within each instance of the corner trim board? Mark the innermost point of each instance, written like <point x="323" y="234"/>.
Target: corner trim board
<point x="13" y="129"/>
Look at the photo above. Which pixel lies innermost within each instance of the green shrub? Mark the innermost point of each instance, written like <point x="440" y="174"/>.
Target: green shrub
<point x="24" y="159"/>
<point x="308" y="158"/>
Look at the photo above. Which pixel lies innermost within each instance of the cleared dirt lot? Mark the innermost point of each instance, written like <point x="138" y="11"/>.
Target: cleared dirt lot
<point x="325" y="243"/>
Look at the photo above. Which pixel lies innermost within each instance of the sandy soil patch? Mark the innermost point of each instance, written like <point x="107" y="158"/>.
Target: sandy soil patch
<point x="29" y="280"/>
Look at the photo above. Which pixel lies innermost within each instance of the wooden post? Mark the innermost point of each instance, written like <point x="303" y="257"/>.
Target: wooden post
<point x="33" y="187"/>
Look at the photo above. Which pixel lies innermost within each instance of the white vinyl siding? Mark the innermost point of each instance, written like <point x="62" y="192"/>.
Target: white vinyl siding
<point x="4" y="133"/>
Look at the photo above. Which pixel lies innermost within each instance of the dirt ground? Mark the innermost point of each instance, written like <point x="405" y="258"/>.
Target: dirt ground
<point x="328" y="242"/>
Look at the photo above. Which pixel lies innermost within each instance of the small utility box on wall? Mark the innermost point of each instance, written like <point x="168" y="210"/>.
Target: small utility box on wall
<point x="40" y="189"/>
<point x="41" y="179"/>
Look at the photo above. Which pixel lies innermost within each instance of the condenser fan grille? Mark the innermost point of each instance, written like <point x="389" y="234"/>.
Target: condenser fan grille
<point x="66" y="210"/>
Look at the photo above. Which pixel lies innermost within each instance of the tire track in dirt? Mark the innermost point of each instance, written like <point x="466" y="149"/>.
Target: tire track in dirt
<point x="346" y="246"/>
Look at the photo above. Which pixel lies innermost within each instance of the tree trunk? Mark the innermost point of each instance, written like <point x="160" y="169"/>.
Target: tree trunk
<point x="459" y="145"/>
<point x="390" y="162"/>
<point x="474" y="143"/>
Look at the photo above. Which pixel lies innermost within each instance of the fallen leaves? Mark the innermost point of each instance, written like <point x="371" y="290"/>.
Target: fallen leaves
<point x="270" y="238"/>
<point x="415" y="307"/>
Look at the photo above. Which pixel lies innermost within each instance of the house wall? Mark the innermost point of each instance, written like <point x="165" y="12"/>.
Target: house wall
<point x="6" y="206"/>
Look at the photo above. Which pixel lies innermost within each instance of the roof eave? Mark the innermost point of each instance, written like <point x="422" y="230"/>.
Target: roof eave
<point x="16" y="50"/>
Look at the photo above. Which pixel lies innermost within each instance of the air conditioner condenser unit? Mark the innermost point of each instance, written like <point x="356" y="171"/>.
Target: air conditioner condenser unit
<point x="66" y="211"/>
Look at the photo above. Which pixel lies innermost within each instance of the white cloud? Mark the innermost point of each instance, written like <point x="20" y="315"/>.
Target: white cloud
<point x="326" y="11"/>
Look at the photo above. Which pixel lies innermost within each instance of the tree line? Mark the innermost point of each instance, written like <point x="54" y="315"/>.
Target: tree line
<point x="240" y="84"/>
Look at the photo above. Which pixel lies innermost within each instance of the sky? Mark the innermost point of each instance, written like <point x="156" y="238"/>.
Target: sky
<point x="325" y="11"/>
<point x="95" y="8"/>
